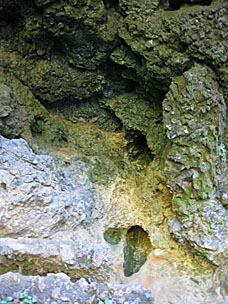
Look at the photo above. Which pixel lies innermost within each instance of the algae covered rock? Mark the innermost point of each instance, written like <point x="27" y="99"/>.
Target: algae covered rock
<point x="168" y="42"/>
<point x="89" y="111"/>
<point x="146" y="6"/>
<point x="136" y="112"/>
<point x="139" y="114"/>
<point x="8" y="119"/>
<point x="85" y="31"/>
<point x="23" y="115"/>
<point x="194" y="117"/>
<point x="54" y="80"/>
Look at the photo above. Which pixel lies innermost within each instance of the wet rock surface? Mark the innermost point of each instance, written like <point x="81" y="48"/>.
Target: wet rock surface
<point x="136" y="250"/>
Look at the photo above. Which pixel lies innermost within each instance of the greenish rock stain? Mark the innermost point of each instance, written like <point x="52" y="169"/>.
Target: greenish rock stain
<point x="194" y="169"/>
<point x="113" y="236"/>
<point x="136" y="250"/>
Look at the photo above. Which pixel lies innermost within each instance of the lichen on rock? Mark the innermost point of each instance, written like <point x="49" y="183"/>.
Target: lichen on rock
<point x="194" y="117"/>
<point x="124" y="106"/>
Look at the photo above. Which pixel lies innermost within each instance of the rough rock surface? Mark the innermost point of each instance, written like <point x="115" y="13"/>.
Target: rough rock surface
<point x="36" y="199"/>
<point x="56" y="288"/>
<point x="22" y="115"/>
<point x="32" y="256"/>
<point x="194" y="117"/>
<point x="169" y="42"/>
<point x="86" y="80"/>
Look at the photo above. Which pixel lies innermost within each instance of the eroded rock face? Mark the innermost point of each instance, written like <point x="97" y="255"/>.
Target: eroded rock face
<point x="169" y="42"/>
<point x="58" y="287"/>
<point x="90" y="77"/>
<point x="36" y="199"/>
<point x="194" y="116"/>
<point x="22" y="115"/>
<point x="41" y="256"/>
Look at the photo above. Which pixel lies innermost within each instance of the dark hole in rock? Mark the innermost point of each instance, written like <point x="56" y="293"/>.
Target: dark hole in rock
<point x="177" y="4"/>
<point x="3" y="186"/>
<point x="136" y="250"/>
<point x="113" y="236"/>
<point x="110" y="3"/>
<point x="137" y="146"/>
<point x="38" y="127"/>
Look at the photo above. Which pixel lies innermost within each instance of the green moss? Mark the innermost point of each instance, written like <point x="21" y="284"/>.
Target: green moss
<point x="113" y="236"/>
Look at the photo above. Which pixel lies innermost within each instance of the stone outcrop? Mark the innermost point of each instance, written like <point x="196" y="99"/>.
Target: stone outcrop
<point x="22" y="115"/>
<point x="54" y="288"/>
<point x="120" y="100"/>
<point x="32" y="256"/>
<point x="194" y="117"/>
<point x="36" y="199"/>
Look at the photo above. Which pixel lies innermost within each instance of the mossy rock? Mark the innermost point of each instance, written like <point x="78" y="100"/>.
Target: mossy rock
<point x="113" y="236"/>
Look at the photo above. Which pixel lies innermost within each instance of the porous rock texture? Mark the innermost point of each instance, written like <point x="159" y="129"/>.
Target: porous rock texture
<point x="41" y="256"/>
<point x="38" y="200"/>
<point x="195" y="166"/>
<point x="58" y="288"/>
<point x="113" y="116"/>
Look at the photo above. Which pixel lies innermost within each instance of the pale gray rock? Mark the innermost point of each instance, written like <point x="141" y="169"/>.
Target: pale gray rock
<point x="37" y="200"/>
<point x="58" y="288"/>
<point x="31" y="256"/>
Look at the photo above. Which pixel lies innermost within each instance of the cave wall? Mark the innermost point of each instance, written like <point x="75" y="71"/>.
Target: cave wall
<point x="154" y="70"/>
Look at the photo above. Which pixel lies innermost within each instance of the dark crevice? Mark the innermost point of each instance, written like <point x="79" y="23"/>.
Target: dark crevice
<point x="115" y="83"/>
<point x="136" y="54"/>
<point x="37" y="128"/>
<point x="137" y="145"/>
<point x="175" y="5"/>
<point x="14" y="11"/>
<point x="3" y="186"/>
<point x="136" y="250"/>
<point x="204" y="62"/>
<point x="111" y="3"/>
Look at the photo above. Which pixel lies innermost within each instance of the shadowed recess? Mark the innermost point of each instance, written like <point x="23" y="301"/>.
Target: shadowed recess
<point x="177" y="4"/>
<point x="136" y="250"/>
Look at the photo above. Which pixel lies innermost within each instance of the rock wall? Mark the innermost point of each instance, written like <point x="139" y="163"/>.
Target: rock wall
<point x="194" y="116"/>
<point x="113" y="116"/>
